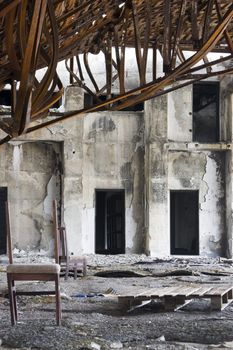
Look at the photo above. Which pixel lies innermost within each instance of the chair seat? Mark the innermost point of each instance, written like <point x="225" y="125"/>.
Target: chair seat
<point x="33" y="268"/>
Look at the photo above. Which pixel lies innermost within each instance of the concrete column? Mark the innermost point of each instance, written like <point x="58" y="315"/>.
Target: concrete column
<point x="226" y="133"/>
<point x="73" y="170"/>
<point x="156" y="165"/>
<point x="74" y="98"/>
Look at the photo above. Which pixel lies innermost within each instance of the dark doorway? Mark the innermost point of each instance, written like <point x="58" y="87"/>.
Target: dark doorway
<point x="184" y="223"/>
<point x="110" y="222"/>
<point x="3" y="199"/>
<point x="206" y="112"/>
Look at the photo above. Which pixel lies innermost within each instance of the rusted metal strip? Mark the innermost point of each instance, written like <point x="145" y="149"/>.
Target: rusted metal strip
<point x="88" y="69"/>
<point x="167" y="37"/>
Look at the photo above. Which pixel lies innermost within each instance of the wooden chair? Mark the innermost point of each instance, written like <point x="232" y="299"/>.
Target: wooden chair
<point x="33" y="272"/>
<point x="77" y="265"/>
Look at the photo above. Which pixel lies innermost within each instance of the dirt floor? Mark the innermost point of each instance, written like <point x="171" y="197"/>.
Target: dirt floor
<point x="93" y="319"/>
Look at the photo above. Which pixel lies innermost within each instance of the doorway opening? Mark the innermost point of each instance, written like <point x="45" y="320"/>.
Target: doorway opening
<point x="184" y="222"/>
<point x="110" y="222"/>
<point x="3" y="199"/>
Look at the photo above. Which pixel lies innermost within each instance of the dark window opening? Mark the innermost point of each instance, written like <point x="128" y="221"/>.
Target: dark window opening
<point x="184" y="222"/>
<point x="89" y="102"/>
<point x="206" y="112"/>
<point x="5" y="99"/>
<point x="3" y="199"/>
<point x="110" y="222"/>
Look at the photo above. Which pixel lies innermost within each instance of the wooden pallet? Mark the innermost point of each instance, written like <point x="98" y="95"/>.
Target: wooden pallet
<point x="176" y="297"/>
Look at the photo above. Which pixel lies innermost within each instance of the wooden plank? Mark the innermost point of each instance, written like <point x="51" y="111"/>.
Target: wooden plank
<point x="162" y="292"/>
<point x="216" y="303"/>
<point x="156" y="292"/>
<point x="175" y="292"/>
<point x="220" y="291"/>
<point x="188" y="291"/>
<point x="200" y="292"/>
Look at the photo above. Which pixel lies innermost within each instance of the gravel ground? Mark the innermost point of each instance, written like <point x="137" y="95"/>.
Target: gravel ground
<point x="93" y="319"/>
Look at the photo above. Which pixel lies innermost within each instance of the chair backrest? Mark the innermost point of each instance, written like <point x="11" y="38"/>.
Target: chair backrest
<point x="56" y="232"/>
<point x="8" y="233"/>
<point x="64" y="253"/>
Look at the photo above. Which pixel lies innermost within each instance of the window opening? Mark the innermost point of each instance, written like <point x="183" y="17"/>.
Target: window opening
<point x="206" y="112"/>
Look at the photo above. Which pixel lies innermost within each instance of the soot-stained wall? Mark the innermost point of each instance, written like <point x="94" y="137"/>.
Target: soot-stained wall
<point x="32" y="174"/>
<point x="174" y="162"/>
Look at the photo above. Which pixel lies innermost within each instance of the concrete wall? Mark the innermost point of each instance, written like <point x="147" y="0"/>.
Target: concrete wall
<point x="147" y="155"/>
<point x="174" y="162"/>
<point x="113" y="157"/>
<point x="31" y="172"/>
<point x="97" y="151"/>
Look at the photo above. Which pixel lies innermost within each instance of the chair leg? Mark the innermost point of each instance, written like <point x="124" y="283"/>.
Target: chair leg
<point x="84" y="267"/>
<point x="67" y="267"/>
<point x="75" y="270"/>
<point x="14" y="300"/>
<point x="58" y="300"/>
<point x="11" y="299"/>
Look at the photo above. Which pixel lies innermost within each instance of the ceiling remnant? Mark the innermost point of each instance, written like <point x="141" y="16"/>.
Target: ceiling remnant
<point x="37" y="34"/>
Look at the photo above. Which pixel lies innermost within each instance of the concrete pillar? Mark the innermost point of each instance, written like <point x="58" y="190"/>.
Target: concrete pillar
<point x="156" y="165"/>
<point x="73" y="170"/>
<point x="74" y="98"/>
<point x="226" y="134"/>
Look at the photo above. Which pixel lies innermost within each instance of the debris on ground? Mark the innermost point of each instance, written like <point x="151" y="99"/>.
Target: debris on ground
<point x="91" y="321"/>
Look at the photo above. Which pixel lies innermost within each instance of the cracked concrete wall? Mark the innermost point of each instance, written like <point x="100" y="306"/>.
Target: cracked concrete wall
<point x="180" y="121"/>
<point x="205" y="172"/>
<point x="174" y="162"/>
<point x="98" y="151"/>
<point x="31" y="172"/>
<point x="113" y="158"/>
<point x="156" y="176"/>
<point x="146" y="155"/>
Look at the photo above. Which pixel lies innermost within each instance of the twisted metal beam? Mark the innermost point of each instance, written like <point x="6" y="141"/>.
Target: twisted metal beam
<point x="41" y="33"/>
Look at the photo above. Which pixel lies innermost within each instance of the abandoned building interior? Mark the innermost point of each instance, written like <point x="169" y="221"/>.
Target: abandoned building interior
<point x="153" y="177"/>
<point x="122" y="112"/>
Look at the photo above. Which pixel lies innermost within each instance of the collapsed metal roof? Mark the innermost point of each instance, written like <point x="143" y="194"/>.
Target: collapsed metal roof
<point x="36" y="34"/>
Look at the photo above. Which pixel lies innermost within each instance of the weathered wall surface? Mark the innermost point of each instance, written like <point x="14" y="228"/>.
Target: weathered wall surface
<point x="205" y="172"/>
<point x="156" y="176"/>
<point x="31" y="172"/>
<point x="113" y="157"/>
<point x="146" y="155"/>
<point x="174" y="162"/>
<point x="180" y="115"/>
<point x="226" y="100"/>
<point x="96" y="151"/>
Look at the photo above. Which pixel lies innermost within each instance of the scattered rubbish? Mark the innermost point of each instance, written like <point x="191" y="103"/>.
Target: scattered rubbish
<point x="87" y="295"/>
<point x="225" y="345"/>
<point x="119" y="273"/>
<point x="175" y="272"/>
<point x="65" y="296"/>
<point x="95" y="346"/>
<point x="161" y="338"/>
<point x="216" y="273"/>
<point x="225" y="260"/>
<point x="154" y="261"/>
<point x="110" y="290"/>
<point x="116" y="345"/>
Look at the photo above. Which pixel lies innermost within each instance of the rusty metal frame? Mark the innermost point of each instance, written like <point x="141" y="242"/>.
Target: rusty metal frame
<point x="42" y="33"/>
